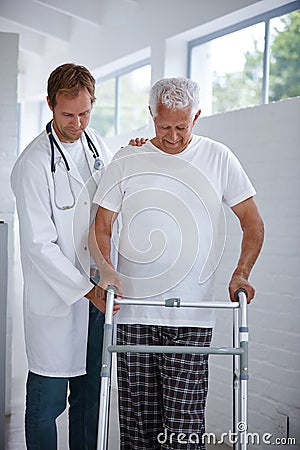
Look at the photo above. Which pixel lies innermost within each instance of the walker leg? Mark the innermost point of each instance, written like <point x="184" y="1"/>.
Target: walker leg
<point x="244" y="375"/>
<point x="102" y="441"/>
<point x="236" y="380"/>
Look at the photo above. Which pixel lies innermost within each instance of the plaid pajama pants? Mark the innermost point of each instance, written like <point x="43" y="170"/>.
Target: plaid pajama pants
<point x="162" y="397"/>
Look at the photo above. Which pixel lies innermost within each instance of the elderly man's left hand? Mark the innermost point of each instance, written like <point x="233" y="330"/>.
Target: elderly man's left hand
<point x="238" y="281"/>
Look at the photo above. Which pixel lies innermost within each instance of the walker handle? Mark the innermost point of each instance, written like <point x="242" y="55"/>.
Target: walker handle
<point x="239" y="291"/>
<point x="112" y="288"/>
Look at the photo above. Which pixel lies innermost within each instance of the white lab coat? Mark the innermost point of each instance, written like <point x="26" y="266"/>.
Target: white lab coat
<point x="55" y="265"/>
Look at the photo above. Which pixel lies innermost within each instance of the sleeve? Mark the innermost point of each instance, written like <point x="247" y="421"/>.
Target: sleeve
<point x="238" y="186"/>
<point x="109" y="193"/>
<point x="39" y="236"/>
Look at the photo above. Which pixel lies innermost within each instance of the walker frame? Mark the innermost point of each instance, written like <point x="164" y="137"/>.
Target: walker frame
<point x="239" y="351"/>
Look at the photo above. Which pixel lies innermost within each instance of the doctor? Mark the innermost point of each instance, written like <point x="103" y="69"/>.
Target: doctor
<point x="53" y="181"/>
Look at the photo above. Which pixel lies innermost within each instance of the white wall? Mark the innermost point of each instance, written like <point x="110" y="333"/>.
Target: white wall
<point x="9" y="44"/>
<point x="266" y="140"/>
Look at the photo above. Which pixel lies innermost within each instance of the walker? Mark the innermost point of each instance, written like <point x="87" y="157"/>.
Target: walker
<point x="239" y="351"/>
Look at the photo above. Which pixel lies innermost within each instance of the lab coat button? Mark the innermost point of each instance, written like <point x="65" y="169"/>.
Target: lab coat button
<point x="85" y="247"/>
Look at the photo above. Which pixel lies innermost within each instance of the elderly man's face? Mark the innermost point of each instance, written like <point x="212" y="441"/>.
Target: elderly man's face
<point x="173" y="128"/>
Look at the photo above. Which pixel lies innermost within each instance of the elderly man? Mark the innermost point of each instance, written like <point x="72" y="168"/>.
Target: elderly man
<point x="168" y="197"/>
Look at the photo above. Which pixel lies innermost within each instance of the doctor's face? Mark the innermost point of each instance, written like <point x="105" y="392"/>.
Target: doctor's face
<point x="71" y="115"/>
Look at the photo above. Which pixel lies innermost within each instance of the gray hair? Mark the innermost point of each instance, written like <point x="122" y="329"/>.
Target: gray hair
<point x="175" y="93"/>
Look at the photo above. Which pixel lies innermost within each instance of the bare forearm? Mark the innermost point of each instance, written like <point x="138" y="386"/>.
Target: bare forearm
<point x="99" y="247"/>
<point x="103" y="240"/>
<point x="252" y="240"/>
<point x="100" y="236"/>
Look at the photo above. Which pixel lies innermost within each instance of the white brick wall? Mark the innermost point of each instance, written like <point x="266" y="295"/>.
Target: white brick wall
<point x="266" y="140"/>
<point x="8" y="148"/>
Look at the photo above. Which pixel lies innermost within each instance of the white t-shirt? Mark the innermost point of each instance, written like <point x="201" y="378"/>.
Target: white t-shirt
<point x="173" y="225"/>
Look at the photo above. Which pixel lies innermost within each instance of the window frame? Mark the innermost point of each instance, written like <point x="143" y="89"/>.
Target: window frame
<point x="116" y="75"/>
<point x="263" y="17"/>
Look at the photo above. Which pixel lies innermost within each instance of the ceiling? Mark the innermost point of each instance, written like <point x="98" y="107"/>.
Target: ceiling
<point x="37" y="20"/>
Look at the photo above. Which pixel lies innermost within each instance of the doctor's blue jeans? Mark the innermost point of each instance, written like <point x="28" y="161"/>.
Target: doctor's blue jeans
<point x="46" y="399"/>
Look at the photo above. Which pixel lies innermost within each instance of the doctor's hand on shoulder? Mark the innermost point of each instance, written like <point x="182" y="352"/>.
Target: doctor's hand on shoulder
<point x="138" y="142"/>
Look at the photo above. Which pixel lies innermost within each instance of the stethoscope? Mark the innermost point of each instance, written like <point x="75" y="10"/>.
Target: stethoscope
<point x="98" y="163"/>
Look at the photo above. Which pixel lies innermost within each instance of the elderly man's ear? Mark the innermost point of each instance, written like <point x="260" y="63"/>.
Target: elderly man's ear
<point x="197" y="115"/>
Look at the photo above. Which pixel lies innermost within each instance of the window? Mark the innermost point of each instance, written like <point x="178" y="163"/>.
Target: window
<point x="285" y="56"/>
<point x="122" y="101"/>
<point x="252" y="62"/>
<point x="103" y="113"/>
